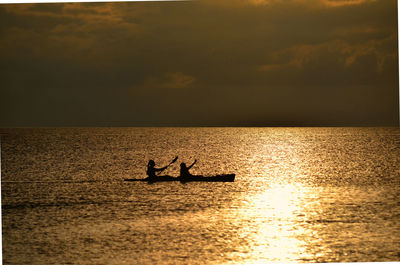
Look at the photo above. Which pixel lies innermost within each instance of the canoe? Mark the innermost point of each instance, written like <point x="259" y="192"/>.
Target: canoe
<point x="198" y="178"/>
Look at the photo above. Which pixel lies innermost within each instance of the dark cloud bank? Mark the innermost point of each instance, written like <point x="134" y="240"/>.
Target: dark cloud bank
<point x="225" y="63"/>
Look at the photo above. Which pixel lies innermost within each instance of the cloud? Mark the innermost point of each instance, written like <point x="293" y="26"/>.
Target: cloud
<point x="346" y="54"/>
<point x="174" y="80"/>
<point x="336" y="3"/>
<point x="313" y="4"/>
<point x="81" y="31"/>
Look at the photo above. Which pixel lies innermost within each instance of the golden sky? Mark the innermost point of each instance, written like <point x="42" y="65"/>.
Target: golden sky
<point x="207" y="62"/>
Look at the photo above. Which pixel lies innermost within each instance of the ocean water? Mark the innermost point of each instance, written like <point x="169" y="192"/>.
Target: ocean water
<point x="300" y="195"/>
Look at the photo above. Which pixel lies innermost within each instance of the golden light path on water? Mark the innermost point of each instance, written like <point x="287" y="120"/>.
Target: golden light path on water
<point x="270" y="215"/>
<point x="270" y="224"/>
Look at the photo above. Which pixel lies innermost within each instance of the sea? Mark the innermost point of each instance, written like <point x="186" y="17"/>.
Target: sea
<point x="301" y="195"/>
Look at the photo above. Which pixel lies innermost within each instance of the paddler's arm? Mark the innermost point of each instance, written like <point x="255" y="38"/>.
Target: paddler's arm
<point x="192" y="164"/>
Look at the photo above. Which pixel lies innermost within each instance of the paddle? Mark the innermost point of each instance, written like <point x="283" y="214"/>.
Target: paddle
<point x="173" y="161"/>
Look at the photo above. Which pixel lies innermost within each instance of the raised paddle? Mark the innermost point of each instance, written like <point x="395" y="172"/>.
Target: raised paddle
<point x="173" y="161"/>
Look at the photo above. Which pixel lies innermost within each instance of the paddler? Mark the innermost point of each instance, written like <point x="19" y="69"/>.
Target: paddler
<point x="151" y="169"/>
<point x="184" y="172"/>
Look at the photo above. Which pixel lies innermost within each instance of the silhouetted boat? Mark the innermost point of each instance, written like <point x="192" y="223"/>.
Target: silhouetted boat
<point x="217" y="178"/>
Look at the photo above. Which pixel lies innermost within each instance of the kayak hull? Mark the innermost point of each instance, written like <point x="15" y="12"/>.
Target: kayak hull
<point x="198" y="178"/>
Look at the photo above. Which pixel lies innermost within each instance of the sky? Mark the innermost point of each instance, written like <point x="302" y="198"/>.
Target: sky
<point x="200" y="63"/>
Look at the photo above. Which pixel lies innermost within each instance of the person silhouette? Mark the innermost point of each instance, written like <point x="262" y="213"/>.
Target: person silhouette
<point x="151" y="169"/>
<point x="184" y="171"/>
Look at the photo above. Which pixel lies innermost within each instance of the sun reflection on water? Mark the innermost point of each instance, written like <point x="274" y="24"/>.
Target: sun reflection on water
<point x="269" y="221"/>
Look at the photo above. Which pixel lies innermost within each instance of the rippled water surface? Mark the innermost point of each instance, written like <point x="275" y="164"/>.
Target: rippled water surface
<point x="300" y="195"/>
